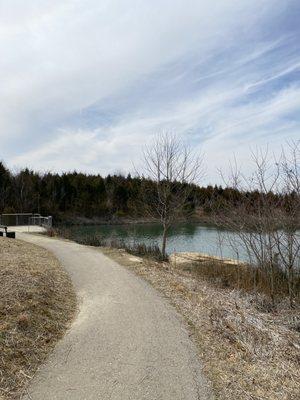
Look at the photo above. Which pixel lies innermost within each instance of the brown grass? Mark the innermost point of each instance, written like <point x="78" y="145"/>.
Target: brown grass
<point x="37" y="302"/>
<point x="245" y="277"/>
<point x="248" y="351"/>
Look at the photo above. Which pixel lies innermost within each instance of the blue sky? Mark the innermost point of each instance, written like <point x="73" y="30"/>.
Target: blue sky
<point x="85" y="84"/>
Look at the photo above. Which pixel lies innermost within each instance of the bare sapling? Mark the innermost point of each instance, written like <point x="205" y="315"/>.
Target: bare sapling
<point x="287" y="238"/>
<point x="173" y="168"/>
<point x="263" y="211"/>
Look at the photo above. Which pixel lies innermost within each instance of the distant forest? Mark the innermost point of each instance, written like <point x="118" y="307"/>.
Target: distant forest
<point x="68" y="196"/>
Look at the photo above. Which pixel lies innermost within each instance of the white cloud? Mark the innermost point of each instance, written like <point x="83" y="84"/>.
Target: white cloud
<point x="60" y="57"/>
<point x="222" y="130"/>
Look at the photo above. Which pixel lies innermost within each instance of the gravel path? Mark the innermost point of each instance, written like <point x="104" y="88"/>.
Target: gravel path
<point x="126" y="343"/>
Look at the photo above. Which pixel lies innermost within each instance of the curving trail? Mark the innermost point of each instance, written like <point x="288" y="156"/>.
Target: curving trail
<point x="126" y="342"/>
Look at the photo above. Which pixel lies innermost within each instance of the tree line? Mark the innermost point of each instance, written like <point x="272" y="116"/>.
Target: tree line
<point x="91" y="195"/>
<point x="112" y="197"/>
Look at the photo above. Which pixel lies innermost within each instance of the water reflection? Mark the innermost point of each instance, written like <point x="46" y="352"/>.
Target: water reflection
<point x="183" y="237"/>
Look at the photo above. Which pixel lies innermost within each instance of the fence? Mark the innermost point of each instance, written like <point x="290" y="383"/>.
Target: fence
<point x="24" y="219"/>
<point x="41" y="221"/>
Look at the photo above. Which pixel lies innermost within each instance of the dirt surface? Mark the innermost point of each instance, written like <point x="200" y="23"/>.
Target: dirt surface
<point x="37" y="301"/>
<point x="248" y="350"/>
<point x="127" y="342"/>
<point x="188" y="258"/>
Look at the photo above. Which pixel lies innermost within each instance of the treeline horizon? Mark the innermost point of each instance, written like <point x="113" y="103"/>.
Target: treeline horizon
<point x="76" y="194"/>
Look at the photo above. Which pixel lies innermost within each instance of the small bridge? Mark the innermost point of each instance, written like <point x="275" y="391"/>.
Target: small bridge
<point x="25" y="219"/>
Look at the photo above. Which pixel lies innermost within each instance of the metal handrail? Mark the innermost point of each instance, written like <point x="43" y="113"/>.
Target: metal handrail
<point x="23" y="219"/>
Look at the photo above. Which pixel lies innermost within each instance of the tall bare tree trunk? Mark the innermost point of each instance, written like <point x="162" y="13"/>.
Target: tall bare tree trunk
<point x="164" y="241"/>
<point x="272" y="283"/>
<point x="291" y="286"/>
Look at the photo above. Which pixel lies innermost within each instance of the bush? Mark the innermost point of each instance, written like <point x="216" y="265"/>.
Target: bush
<point x="151" y="251"/>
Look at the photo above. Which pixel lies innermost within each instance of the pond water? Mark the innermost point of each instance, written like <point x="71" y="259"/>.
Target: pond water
<point x="182" y="238"/>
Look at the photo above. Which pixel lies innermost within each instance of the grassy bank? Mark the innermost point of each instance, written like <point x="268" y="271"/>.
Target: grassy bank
<point x="247" y="279"/>
<point x="37" y="302"/>
<point x="249" y="350"/>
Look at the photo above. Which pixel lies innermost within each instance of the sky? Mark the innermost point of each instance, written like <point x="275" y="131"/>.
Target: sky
<point x="84" y="85"/>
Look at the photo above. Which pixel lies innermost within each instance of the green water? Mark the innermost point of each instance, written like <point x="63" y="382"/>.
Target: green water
<point x="183" y="237"/>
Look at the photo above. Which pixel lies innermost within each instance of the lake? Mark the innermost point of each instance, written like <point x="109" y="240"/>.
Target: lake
<point x="188" y="237"/>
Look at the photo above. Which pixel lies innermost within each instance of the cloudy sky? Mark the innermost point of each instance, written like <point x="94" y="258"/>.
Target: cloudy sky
<point x="84" y="84"/>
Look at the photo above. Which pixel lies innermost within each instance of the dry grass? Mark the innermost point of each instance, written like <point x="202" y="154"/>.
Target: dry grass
<point x="246" y="278"/>
<point x="241" y="276"/>
<point x="247" y="352"/>
<point x="37" y="302"/>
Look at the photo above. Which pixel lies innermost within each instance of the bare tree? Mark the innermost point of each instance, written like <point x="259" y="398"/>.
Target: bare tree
<point x="265" y="216"/>
<point x="173" y="167"/>
<point x="253" y="214"/>
<point x="287" y="238"/>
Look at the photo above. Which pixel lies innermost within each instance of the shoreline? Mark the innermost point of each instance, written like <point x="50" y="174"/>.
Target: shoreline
<point x="187" y="257"/>
<point x="84" y="221"/>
